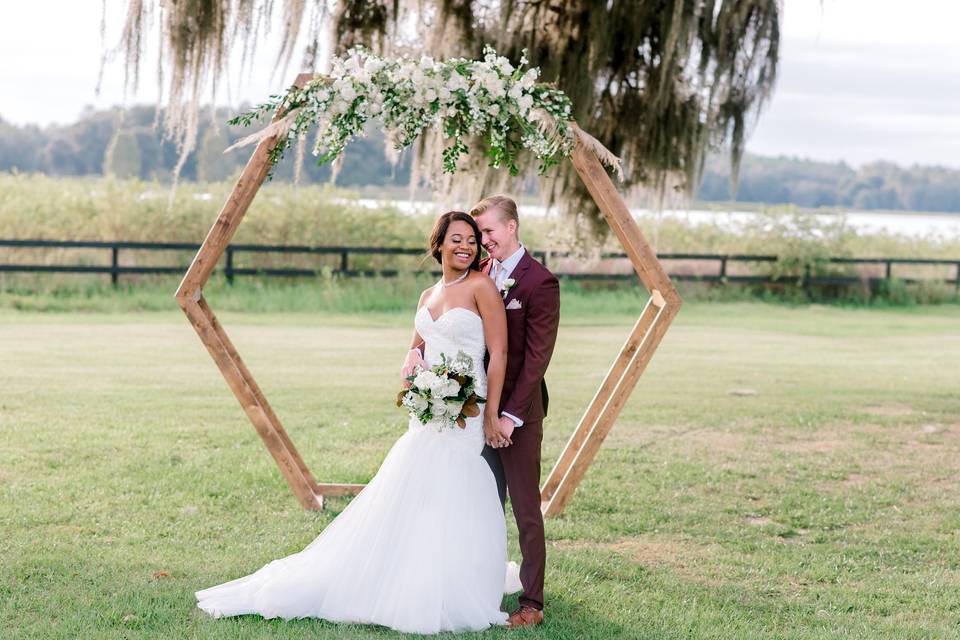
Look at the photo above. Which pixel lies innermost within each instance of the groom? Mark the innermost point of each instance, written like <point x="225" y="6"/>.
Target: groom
<point x="531" y="295"/>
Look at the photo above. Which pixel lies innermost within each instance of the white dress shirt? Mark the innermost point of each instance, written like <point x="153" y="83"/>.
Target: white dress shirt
<point x="500" y="271"/>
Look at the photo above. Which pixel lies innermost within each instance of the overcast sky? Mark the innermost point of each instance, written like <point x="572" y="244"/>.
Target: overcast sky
<point x="860" y="80"/>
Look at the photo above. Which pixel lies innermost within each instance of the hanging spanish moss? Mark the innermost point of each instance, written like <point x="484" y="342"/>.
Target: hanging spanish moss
<point x="196" y="38"/>
<point x="658" y="82"/>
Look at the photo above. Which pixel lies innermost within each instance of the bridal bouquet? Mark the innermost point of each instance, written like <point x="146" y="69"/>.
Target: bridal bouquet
<point x="444" y="393"/>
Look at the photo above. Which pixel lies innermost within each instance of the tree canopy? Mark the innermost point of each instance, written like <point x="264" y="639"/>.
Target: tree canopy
<point x="659" y="82"/>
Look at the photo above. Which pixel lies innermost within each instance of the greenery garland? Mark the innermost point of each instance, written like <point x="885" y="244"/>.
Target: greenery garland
<point x="459" y="98"/>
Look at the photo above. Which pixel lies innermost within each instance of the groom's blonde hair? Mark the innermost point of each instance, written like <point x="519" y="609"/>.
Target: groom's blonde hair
<point x="506" y="206"/>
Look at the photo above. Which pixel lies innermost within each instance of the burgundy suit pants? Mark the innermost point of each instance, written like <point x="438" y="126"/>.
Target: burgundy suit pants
<point x="518" y="468"/>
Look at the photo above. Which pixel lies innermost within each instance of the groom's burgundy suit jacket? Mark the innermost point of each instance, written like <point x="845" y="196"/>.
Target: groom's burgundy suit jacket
<point x="533" y="316"/>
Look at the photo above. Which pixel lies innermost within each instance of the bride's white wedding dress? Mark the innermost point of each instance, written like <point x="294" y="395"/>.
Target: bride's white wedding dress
<point x="422" y="549"/>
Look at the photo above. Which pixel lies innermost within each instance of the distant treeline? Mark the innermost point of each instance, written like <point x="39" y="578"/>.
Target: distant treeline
<point x="126" y="144"/>
<point x="807" y="183"/>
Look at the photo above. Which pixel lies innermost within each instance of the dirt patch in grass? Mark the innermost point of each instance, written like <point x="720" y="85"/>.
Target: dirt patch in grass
<point x="855" y="480"/>
<point x="815" y="443"/>
<point x="922" y="457"/>
<point x="889" y="410"/>
<point x="683" y="557"/>
<point x="685" y="437"/>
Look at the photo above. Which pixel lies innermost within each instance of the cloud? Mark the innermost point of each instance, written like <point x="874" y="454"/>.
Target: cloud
<point x="863" y="101"/>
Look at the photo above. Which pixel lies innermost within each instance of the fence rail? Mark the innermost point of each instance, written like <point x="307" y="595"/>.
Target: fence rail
<point x="723" y="261"/>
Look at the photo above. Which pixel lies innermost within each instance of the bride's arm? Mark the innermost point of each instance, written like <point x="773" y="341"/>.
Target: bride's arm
<point x="495" y="334"/>
<point x="414" y="356"/>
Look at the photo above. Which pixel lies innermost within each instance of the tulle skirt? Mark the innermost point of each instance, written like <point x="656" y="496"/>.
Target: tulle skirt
<point x="422" y="549"/>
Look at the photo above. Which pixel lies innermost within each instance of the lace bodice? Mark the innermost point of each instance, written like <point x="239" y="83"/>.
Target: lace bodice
<point x="458" y="329"/>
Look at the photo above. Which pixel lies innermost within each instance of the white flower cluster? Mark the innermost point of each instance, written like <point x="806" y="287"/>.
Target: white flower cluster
<point x="458" y="97"/>
<point x="440" y="396"/>
<point x="435" y="396"/>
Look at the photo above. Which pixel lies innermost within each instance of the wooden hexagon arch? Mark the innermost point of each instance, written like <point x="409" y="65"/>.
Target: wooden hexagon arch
<point x="597" y="420"/>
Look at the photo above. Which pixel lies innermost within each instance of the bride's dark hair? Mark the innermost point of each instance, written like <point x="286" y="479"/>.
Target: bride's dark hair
<point x="440" y="232"/>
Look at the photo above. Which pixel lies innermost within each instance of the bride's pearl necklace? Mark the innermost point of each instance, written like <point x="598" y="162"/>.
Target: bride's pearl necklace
<point x="458" y="279"/>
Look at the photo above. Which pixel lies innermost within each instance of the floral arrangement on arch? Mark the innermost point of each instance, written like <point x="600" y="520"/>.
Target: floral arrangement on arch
<point x="459" y="98"/>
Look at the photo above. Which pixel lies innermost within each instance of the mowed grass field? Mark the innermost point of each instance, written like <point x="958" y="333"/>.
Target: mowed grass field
<point x="820" y="499"/>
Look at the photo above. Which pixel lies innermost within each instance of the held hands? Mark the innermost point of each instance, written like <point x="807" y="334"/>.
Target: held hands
<point x="497" y="431"/>
<point x="506" y="429"/>
<point x="410" y="363"/>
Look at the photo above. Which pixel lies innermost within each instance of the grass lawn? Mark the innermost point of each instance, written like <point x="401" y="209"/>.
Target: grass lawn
<point x="821" y="501"/>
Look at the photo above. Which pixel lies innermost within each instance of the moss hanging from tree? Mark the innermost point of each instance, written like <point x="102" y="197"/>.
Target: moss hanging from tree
<point x="658" y="82"/>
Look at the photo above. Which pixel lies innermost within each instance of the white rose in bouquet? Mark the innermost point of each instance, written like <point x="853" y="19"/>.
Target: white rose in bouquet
<point x="453" y="407"/>
<point x="416" y="403"/>
<point x="438" y="388"/>
<point x="425" y="379"/>
<point x="452" y="388"/>
<point x="439" y="408"/>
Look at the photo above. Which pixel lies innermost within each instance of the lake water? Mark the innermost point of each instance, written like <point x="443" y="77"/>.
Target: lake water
<point x="944" y="225"/>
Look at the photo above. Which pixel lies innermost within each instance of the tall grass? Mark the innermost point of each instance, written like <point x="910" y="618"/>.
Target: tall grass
<point x="36" y="206"/>
<point x="39" y="207"/>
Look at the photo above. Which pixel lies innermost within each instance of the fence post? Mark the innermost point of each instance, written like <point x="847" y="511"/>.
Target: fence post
<point x="229" y="269"/>
<point x="956" y="282"/>
<point x="723" y="268"/>
<point x="344" y="264"/>
<point x="889" y="270"/>
<point x="114" y="264"/>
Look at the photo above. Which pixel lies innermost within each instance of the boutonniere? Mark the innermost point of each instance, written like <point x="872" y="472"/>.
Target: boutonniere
<point x="507" y="285"/>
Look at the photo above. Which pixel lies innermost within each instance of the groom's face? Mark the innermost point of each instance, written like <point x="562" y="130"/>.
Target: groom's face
<point x="498" y="237"/>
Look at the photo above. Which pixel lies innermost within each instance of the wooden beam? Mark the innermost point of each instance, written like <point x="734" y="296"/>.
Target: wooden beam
<point x="630" y="363"/>
<point x="302" y="488"/>
<point x="232" y="212"/>
<point x="339" y="489"/>
<point x="257" y="393"/>
<point x="584" y="456"/>
<point x="597" y="420"/>
<point x="618" y="216"/>
<point x="600" y="399"/>
<point x="190" y="297"/>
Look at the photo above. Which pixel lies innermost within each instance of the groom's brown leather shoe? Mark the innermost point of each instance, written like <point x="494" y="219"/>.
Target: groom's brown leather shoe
<point x="525" y="617"/>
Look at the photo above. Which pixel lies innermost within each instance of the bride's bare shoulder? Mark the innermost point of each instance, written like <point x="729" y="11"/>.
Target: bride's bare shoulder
<point x="424" y="295"/>
<point x="482" y="285"/>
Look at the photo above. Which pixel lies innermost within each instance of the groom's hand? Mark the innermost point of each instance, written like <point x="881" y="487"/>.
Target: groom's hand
<point x="506" y="427"/>
<point x="410" y="363"/>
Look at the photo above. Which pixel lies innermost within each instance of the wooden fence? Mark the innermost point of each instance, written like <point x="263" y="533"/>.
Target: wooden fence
<point x="724" y="264"/>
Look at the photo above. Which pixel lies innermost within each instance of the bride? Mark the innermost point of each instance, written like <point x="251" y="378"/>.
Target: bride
<point x="422" y="549"/>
